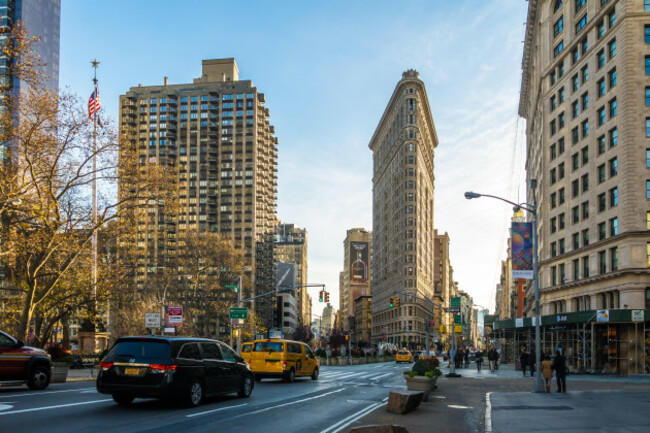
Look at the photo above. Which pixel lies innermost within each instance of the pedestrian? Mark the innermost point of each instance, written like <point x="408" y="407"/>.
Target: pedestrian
<point x="559" y="365"/>
<point x="466" y="356"/>
<point x="458" y="358"/>
<point x="523" y="360"/>
<point x="532" y="362"/>
<point x="492" y="358"/>
<point x="478" y="357"/>
<point x="547" y="372"/>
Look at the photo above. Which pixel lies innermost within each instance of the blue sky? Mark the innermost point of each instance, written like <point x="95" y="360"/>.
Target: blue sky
<point x="328" y="69"/>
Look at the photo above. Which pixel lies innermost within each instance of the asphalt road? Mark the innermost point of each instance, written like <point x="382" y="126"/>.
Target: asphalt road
<point x="339" y="397"/>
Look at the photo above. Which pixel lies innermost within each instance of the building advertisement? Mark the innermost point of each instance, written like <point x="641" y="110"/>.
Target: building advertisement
<point x="522" y="250"/>
<point x="359" y="254"/>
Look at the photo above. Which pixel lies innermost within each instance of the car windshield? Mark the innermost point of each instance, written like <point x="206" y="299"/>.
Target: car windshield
<point x="268" y="346"/>
<point x="140" y="351"/>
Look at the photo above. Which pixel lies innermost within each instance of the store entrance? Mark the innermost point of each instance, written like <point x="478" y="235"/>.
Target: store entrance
<point x="608" y="348"/>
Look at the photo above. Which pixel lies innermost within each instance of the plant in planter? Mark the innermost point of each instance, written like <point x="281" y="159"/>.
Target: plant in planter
<point x="423" y="376"/>
<point x="60" y="363"/>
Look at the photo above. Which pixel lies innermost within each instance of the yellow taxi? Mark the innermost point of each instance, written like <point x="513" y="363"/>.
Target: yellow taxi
<point x="403" y="356"/>
<point x="284" y="359"/>
<point x="247" y="352"/>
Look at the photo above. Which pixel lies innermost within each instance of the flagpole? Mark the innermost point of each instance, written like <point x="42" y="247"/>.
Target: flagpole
<point x="95" y="64"/>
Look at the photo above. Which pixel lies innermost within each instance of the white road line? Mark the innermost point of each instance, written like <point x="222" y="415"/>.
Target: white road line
<point x="488" y="413"/>
<point x="345" y="376"/>
<point x="215" y="410"/>
<point x="33" y="394"/>
<point x="383" y="375"/>
<point x="36" y="409"/>
<point x="292" y="402"/>
<point x="379" y="366"/>
<point x="352" y="418"/>
<point x="333" y="374"/>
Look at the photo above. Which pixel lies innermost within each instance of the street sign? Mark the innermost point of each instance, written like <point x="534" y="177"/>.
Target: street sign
<point x="602" y="315"/>
<point x="174" y="315"/>
<point x="239" y="313"/>
<point x="170" y="330"/>
<point x="458" y="329"/>
<point x="152" y="320"/>
<point x="638" y="315"/>
<point x="455" y="310"/>
<point x="274" y="333"/>
<point x="457" y="319"/>
<point x="454" y="302"/>
<point x="230" y="286"/>
<point x="432" y="324"/>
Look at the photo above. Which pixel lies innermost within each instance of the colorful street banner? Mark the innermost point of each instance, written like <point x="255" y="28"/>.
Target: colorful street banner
<point x="522" y="250"/>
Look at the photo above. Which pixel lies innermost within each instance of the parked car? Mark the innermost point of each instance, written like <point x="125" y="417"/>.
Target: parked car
<point x="403" y="356"/>
<point x="183" y="368"/>
<point x="284" y="359"/>
<point x="20" y="364"/>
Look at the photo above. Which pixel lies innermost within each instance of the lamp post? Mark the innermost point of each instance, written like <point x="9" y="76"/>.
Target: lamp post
<point x="532" y="209"/>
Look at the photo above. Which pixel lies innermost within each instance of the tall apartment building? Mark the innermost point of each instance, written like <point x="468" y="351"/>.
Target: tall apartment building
<point x="586" y="65"/>
<point x="442" y="276"/>
<point x="356" y="278"/>
<point x="215" y="133"/>
<point x="403" y="236"/>
<point x="291" y="247"/>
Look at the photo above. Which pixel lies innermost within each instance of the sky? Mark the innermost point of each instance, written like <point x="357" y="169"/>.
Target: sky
<point x="328" y="70"/>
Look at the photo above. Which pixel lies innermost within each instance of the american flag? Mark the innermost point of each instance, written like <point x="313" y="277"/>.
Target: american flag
<point x="93" y="104"/>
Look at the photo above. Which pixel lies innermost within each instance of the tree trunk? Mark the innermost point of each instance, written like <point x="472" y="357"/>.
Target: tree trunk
<point x="65" y="322"/>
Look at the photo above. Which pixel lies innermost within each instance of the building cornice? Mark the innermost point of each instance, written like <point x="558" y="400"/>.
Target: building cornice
<point x="526" y="61"/>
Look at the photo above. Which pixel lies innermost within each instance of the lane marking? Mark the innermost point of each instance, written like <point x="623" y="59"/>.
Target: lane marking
<point x="290" y="403"/>
<point x="35" y="409"/>
<point x="379" y="366"/>
<point x="5" y="406"/>
<point x="215" y="410"/>
<point x="488" y="413"/>
<point x="383" y="375"/>
<point x="457" y="406"/>
<point x="32" y="394"/>
<point x="352" y="418"/>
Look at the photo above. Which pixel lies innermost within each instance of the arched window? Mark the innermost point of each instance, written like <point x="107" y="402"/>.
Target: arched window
<point x="558" y="5"/>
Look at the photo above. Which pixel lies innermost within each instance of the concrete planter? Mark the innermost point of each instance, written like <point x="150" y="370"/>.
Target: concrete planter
<point x="343" y="360"/>
<point x="421" y="383"/>
<point x="59" y="372"/>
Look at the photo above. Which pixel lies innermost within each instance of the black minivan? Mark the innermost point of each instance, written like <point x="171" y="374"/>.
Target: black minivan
<point x="181" y="368"/>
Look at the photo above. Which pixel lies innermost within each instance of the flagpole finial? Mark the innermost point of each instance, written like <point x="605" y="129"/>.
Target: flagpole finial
<point x="94" y="63"/>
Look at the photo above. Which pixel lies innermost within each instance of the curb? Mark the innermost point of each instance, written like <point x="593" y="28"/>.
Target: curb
<point x="488" y="413"/>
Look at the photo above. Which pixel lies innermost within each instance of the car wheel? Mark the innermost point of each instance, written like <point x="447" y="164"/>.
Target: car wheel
<point x="247" y="387"/>
<point x="195" y="394"/>
<point x="39" y="378"/>
<point x="291" y="376"/>
<point x="123" y="399"/>
<point x="314" y="375"/>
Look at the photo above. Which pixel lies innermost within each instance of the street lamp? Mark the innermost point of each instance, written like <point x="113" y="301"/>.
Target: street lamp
<point x="532" y="209"/>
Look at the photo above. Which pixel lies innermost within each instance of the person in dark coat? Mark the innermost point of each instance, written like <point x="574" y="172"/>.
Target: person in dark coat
<point x="492" y="357"/>
<point x="478" y="357"/>
<point x="523" y="360"/>
<point x="559" y="365"/>
<point x="466" y="357"/>
<point x="532" y="362"/>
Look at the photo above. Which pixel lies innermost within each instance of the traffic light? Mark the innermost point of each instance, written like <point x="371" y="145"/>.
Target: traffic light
<point x="327" y="296"/>
<point x="397" y="300"/>
<point x="390" y="303"/>
<point x="320" y="296"/>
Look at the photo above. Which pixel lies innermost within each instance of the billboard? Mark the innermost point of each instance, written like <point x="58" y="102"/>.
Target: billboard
<point x="522" y="250"/>
<point x="359" y="269"/>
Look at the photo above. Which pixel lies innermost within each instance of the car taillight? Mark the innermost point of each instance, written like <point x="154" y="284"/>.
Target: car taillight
<point x="162" y="368"/>
<point x="284" y="364"/>
<point x="105" y="365"/>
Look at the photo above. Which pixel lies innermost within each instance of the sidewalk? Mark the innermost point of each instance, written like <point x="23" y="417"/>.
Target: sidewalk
<point x="82" y="374"/>
<point x="503" y="402"/>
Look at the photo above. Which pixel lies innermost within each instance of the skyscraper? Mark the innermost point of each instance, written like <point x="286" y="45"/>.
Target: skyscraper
<point x="403" y="236"/>
<point x="291" y="247"/>
<point x="586" y="67"/>
<point x="215" y="134"/>
<point x="356" y="279"/>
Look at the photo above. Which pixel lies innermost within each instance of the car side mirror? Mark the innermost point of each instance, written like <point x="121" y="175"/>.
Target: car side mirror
<point x="239" y="358"/>
<point x="20" y="343"/>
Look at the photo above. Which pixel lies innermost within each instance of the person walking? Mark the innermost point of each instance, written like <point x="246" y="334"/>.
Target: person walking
<point x="492" y="358"/>
<point x="466" y="357"/>
<point x="532" y="362"/>
<point x="523" y="360"/>
<point x="478" y="357"/>
<point x="547" y="372"/>
<point x="559" y="365"/>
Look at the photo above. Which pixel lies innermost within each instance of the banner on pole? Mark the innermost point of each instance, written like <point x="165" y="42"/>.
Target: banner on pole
<point x="522" y="250"/>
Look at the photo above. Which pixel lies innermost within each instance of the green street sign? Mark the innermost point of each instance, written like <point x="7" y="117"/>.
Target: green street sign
<point x="239" y="313"/>
<point x="457" y="319"/>
<point x="230" y="286"/>
<point x="454" y="302"/>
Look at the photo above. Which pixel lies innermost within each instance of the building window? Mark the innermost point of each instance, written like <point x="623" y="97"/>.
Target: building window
<point x="580" y="4"/>
<point x="602" y="262"/>
<point x="560" y="146"/>
<point x="585" y="237"/>
<point x="585" y="128"/>
<point x="561" y="195"/>
<point x="575" y="161"/>
<point x="584" y="74"/>
<point x="560" y="171"/>
<point x="585" y="101"/>
<point x="576" y="241"/>
<point x="554" y="101"/>
<point x="647" y="126"/>
<point x="558" y="49"/>
<point x="600" y="59"/>
<point x="613" y="226"/>
<point x="554" y="275"/>
<point x="561" y="120"/>
<point x="581" y="24"/>
<point x="561" y="246"/>
<point x="601" y="87"/>
<point x="613" y="167"/>
<point x="612" y="48"/>
<point x="553" y="249"/>
<point x="601" y="116"/>
<point x="575" y="188"/>
<point x="612" y="19"/>
<point x="553" y="201"/>
<point x="612" y="108"/>
<point x="553" y="77"/>
<point x="647" y="158"/>
<point x="575" y="211"/>
<point x="646" y="5"/>
<point x="553" y="225"/>
<point x="561" y="93"/>
<point x="585" y="267"/>
<point x="601" y="173"/>
<point x="557" y="5"/>
<point x="613" y="138"/>
<point x="613" y="197"/>
<point x="553" y="151"/>
<point x="560" y="221"/>
<point x="575" y="83"/>
<point x="585" y="210"/>
<point x="558" y="27"/>
<point x="585" y="182"/>
<point x="612" y="78"/>
<point x="575" y="135"/>
<point x="647" y="65"/>
<point x="613" y="258"/>
<point x="600" y="29"/>
<point x="602" y="202"/>
<point x="647" y="189"/>
<point x="553" y="127"/>
<point x="575" y="109"/>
